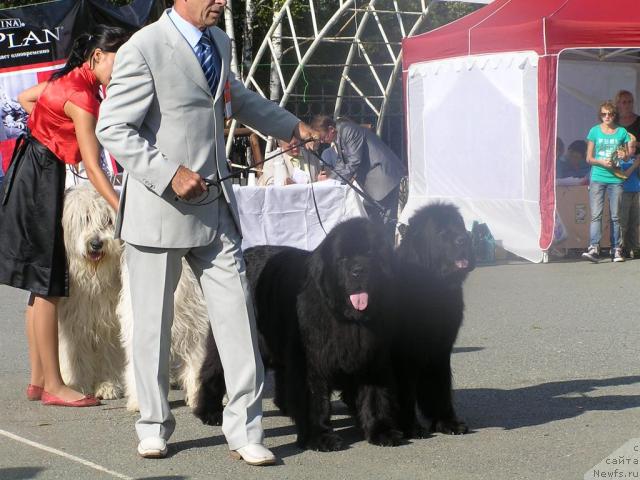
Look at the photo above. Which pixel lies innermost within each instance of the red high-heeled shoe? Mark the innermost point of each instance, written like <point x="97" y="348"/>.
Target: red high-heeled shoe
<point x="34" y="392"/>
<point x="86" y="401"/>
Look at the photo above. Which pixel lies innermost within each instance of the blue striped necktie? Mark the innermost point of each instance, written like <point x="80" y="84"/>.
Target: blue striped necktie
<point x="209" y="61"/>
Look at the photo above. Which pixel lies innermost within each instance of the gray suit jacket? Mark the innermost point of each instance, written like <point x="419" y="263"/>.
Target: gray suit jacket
<point x="364" y="156"/>
<point x="159" y="114"/>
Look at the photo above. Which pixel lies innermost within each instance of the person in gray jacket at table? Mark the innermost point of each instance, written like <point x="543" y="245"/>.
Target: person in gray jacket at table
<point x="163" y="119"/>
<point x="363" y="157"/>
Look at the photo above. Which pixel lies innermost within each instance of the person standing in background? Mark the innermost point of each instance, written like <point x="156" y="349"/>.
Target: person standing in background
<point x="607" y="144"/>
<point x="630" y="207"/>
<point x="627" y="118"/>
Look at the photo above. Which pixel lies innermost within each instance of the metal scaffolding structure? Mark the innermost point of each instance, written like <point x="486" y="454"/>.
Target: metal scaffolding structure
<point x="356" y="47"/>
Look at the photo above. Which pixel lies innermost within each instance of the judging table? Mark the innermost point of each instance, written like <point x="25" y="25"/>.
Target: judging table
<point x="286" y="215"/>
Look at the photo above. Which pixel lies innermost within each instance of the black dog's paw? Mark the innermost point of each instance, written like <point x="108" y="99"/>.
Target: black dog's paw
<point x="327" y="442"/>
<point x="281" y="406"/>
<point x="211" y="418"/>
<point x="386" y="438"/>
<point x="348" y="399"/>
<point x="416" y="430"/>
<point x="451" y="427"/>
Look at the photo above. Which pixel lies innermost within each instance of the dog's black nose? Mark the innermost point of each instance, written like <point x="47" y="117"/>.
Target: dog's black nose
<point x="96" y="245"/>
<point x="357" y="270"/>
<point x="460" y="240"/>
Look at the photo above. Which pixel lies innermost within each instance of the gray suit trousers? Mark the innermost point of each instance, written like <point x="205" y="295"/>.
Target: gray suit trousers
<point x="219" y="267"/>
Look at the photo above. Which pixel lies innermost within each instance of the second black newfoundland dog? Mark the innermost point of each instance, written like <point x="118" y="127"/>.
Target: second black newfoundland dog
<point x="323" y="323"/>
<point x="433" y="259"/>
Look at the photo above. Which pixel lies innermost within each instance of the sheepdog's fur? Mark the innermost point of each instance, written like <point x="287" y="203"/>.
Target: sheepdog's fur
<point x="188" y="336"/>
<point x="91" y="355"/>
<point x="96" y="325"/>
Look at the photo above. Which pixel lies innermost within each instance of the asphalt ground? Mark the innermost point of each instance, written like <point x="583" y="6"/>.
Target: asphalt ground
<point x="545" y="372"/>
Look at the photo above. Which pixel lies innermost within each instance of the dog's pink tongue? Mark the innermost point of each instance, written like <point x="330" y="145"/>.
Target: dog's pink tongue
<point x="462" y="263"/>
<point x="359" y="300"/>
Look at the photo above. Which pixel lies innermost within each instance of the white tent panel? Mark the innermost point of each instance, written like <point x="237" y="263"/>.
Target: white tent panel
<point x="473" y="140"/>
<point x="582" y="86"/>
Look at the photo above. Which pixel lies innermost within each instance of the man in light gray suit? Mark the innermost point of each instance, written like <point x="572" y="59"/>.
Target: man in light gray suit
<point x="365" y="158"/>
<point x="163" y="120"/>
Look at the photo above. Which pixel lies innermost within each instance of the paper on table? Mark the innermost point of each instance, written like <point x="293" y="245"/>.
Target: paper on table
<point x="568" y="181"/>
<point x="300" y="176"/>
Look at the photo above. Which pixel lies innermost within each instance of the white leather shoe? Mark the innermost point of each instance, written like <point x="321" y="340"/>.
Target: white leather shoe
<point x="152" y="447"/>
<point x="254" y="454"/>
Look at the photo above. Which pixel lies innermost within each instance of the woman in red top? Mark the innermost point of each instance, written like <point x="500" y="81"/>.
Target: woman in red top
<point x="63" y="115"/>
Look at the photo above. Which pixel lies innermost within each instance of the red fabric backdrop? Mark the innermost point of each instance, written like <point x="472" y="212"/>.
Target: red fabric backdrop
<point x="544" y="26"/>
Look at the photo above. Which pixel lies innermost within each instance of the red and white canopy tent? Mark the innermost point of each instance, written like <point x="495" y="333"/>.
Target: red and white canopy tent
<point x="481" y="99"/>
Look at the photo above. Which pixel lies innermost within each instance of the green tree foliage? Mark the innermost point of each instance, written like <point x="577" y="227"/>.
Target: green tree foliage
<point x="319" y="81"/>
<point x="441" y="13"/>
<point x="266" y="8"/>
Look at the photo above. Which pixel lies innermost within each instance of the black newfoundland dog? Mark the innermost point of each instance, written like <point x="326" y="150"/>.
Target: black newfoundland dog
<point x="432" y="261"/>
<point x="323" y="324"/>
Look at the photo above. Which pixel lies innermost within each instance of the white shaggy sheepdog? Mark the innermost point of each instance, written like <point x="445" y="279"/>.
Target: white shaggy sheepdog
<point x="96" y="324"/>
<point x="91" y="354"/>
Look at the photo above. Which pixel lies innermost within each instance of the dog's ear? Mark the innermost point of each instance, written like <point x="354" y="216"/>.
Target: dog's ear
<point x="321" y="266"/>
<point x="316" y="269"/>
<point x="382" y="251"/>
<point x="427" y="250"/>
<point x="418" y="243"/>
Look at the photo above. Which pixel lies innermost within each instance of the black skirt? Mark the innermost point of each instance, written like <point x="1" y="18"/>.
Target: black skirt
<point x="32" y="255"/>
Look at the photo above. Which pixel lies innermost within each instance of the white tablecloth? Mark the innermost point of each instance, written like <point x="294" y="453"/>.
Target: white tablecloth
<point x="286" y="215"/>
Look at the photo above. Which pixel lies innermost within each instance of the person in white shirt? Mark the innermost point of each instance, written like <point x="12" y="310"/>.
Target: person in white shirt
<point x="295" y="166"/>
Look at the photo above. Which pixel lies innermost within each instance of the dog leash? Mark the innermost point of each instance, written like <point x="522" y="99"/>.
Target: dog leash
<point x="217" y="182"/>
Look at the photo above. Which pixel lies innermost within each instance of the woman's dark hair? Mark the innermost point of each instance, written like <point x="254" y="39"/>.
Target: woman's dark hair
<point x="579" y="146"/>
<point x="106" y="38"/>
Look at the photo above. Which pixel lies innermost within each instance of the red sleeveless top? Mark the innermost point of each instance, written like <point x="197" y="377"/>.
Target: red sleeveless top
<point x="50" y="125"/>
